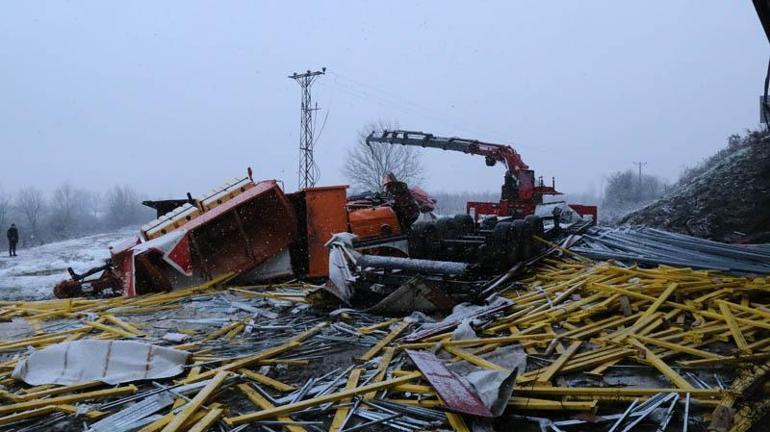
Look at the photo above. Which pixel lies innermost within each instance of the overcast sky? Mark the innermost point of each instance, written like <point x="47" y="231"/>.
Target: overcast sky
<point x="173" y="97"/>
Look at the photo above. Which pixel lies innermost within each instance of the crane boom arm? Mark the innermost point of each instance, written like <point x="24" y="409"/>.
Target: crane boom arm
<point x="493" y="152"/>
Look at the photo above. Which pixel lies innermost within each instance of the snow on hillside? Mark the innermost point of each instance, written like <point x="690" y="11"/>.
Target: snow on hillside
<point x="35" y="271"/>
<point x="726" y="200"/>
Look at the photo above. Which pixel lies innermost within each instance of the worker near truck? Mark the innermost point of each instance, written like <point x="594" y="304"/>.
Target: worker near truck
<point x="13" y="239"/>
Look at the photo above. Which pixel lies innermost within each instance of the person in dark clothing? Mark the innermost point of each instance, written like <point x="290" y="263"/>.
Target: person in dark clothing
<point x="13" y="238"/>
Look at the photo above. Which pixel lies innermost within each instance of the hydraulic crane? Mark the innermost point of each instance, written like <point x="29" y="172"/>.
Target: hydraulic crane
<point x="520" y="193"/>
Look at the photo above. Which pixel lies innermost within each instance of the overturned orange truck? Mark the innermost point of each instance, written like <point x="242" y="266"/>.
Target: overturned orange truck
<point x="247" y="230"/>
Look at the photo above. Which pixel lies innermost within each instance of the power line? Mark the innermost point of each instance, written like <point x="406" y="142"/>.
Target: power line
<point x="372" y="93"/>
<point x="308" y="172"/>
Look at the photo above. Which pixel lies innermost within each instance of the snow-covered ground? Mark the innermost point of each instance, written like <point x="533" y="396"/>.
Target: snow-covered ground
<point x="35" y="271"/>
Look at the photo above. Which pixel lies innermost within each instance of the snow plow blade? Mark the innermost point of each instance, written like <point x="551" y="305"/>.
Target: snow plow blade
<point x="231" y="232"/>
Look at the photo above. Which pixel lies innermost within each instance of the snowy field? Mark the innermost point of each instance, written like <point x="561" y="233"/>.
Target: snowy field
<point x="33" y="274"/>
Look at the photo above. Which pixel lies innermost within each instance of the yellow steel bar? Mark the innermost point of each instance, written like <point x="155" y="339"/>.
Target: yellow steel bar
<point x="371" y="328"/>
<point x="619" y="335"/>
<point x="479" y="341"/>
<point x="266" y="380"/>
<point x="207" y="421"/>
<point x="60" y="390"/>
<point x="692" y="309"/>
<point x="223" y="331"/>
<point x="727" y="360"/>
<point x="142" y="310"/>
<point x="554" y="367"/>
<point x="598" y="371"/>
<point x="414" y="388"/>
<point x="585" y="362"/>
<point x="598" y="326"/>
<point x="662" y="367"/>
<point x="122" y="324"/>
<point x="611" y="391"/>
<point x="678" y="347"/>
<point x="9" y="396"/>
<point x="163" y="421"/>
<point x="78" y="397"/>
<point x="33" y="339"/>
<point x="260" y="401"/>
<point x="333" y="397"/>
<point x="194" y="371"/>
<point x="104" y="327"/>
<point x="555" y="314"/>
<point x="235" y="331"/>
<point x="310" y="332"/>
<point x="550" y="405"/>
<point x="647" y="314"/>
<point x="12" y="418"/>
<point x="563" y="250"/>
<point x="521" y="403"/>
<point x="708" y="296"/>
<point x="382" y="369"/>
<point x="740" y="341"/>
<point x="473" y="359"/>
<point x="292" y="362"/>
<point x="71" y="409"/>
<point x="342" y="412"/>
<point x="456" y="422"/>
<point x="193" y="405"/>
<point x="243" y="362"/>
<point x="546" y="305"/>
<point x="427" y="403"/>
<point x="296" y="298"/>
<point x="384" y="341"/>
<point x="38" y="342"/>
<point x="504" y="322"/>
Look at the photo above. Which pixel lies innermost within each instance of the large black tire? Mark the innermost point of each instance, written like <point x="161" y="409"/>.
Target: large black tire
<point x="464" y="223"/>
<point x="416" y="240"/>
<point x="535" y="225"/>
<point x="488" y="223"/>
<point x="516" y="248"/>
<point x="446" y="228"/>
<point x="432" y="245"/>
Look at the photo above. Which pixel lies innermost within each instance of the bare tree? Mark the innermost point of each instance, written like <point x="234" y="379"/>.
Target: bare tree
<point x="68" y="210"/>
<point x="122" y="206"/>
<point x="29" y="202"/>
<point x="5" y="207"/>
<point x="367" y="164"/>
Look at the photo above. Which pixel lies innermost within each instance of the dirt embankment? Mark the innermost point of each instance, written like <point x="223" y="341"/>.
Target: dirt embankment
<point x="727" y="198"/>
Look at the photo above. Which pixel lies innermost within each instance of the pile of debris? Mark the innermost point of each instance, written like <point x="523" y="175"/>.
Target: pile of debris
<point x="652" y="246"/>
<point x="390" y="318"/>
<point x="574" y="345"/>
<point x="726" y="201"/>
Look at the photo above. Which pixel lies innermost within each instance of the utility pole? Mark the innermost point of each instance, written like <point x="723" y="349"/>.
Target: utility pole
<point x="307" y="170"/>
<point x="640" y="164"/>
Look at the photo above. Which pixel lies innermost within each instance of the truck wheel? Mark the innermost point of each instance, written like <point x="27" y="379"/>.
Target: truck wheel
<point x="464" y="224"/>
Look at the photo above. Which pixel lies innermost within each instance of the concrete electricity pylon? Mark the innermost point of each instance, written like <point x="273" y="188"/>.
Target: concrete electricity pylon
<point x="640" y="164"/>
<point x="308" y="172"/>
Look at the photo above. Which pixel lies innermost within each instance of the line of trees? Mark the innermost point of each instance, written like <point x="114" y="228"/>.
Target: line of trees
<point x="69" y="212"/>
<point x="627" y="191"/>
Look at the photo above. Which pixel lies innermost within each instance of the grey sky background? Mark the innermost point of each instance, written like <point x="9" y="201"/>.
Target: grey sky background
<point x="179" y="96"/>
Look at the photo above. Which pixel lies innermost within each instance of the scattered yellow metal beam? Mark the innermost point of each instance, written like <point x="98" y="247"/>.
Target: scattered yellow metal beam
<point x="191" y="407"/>
<point x="373" y="351"/>
<point x="333" y="397"/>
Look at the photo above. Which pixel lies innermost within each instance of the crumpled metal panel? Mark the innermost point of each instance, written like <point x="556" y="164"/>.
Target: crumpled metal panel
<point x="130" y="417"/>
<point x="414" y="295"/>
<point x="456" y="393"/>
<point x="502" y="304"/>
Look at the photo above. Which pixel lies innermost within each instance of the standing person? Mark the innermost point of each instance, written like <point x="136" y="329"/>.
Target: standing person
<point x="13" y="238"/>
